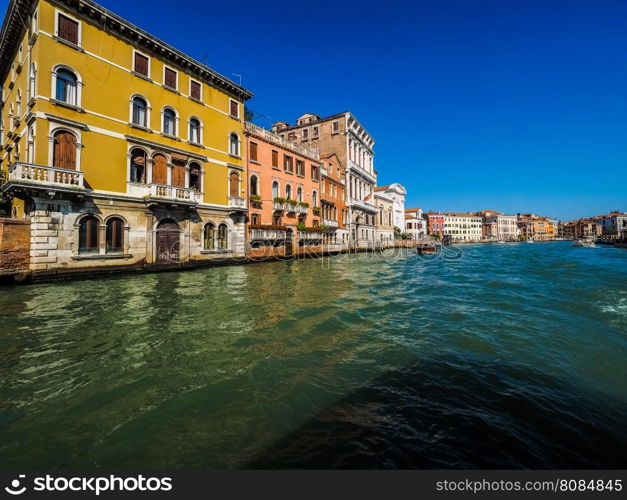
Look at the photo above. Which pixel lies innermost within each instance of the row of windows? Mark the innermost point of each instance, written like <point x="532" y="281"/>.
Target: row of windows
<point x="69" y="29"/>
<point x="276" y="191"/>
<point x="214" y="238"/>
<point x="67" y="90"/>
<point x="288" y="162"/>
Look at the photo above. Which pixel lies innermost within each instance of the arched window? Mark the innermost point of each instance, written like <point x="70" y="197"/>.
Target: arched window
<point x="194" y="130"/>
<point x="67" y="87"/>
<point x="288" y="192"/>
<point x="209" y="236"/>
<point x="254" y="185"/>
<point x="138" y="166"/>
<point x="159" y="169"/>
<point x="30" y="152"/>
<point x="194" y="176"/>
<point x="234" y="144"/>
<point x="169" y="121"/>
<point x="64" y="150"/>
<point x="88" y="235"/>
<point x="223" y="232"/>
<point x="32" y="91"/>
<point x="275" y="189"/>
<point x="140" y="111"/>
<point x="234" y="184"/>
<point x="314" y="199"/>
<point x="299" y="194"/>
<point x="115" y="235"/>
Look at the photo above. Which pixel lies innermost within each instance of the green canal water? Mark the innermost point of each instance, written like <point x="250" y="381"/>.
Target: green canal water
<point x="513" y="355"/>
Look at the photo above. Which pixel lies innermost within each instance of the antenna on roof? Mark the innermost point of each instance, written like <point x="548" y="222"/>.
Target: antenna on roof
<point x="205" y="59"/>
<point x="240" y="78"/>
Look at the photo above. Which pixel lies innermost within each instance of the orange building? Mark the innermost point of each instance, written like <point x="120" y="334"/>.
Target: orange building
<point x="283" y="194"/>
<point x="333" y="207"/>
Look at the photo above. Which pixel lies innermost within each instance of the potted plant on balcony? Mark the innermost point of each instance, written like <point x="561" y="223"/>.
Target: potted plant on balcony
<point x="292" y="203"/>
<point x="316" y="210"/>
<point x="303" y="204"/>
<point x="278" y="199"/>
<point x="255" y="200"/>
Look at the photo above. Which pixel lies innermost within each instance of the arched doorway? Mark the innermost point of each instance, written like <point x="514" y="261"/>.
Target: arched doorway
<point x="168" y="244"/>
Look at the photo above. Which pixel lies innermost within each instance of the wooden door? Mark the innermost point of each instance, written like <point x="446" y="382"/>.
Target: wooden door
<point x="168" y="246"/>
<point x="160" y="170"/>
<point x="64" y="152"/>
<point x="178" y="173"/>
<point x="234" y="184"/>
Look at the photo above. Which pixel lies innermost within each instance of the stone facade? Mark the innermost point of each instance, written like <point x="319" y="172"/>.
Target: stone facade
<point x="54" y="234"/>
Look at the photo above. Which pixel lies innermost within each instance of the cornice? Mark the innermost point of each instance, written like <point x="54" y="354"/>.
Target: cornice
<point x="13" y="29"/>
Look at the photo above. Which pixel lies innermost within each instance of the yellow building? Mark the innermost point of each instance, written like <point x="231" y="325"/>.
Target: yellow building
<point x="119" y="148"/>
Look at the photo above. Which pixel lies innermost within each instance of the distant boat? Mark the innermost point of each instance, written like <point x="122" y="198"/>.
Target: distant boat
<point x="584" y="242"/>
<point x="426" y="248"/>
<point x="529" y="240"/>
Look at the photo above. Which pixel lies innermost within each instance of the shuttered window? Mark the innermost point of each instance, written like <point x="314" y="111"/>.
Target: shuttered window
<point x="170" y="78"/>
<point x="141" y="64"/>
<point x="160" y="170"/>
<point x="178" y="173"/>
<point x="253" y="151"/>
<point x="64" y="150"/>
<point x="68" y="29"/>
<point x="275" y="159"/>
<point x="195" y="90"/>
<point x="234" y="109"/>
<point x="234" y="184"/>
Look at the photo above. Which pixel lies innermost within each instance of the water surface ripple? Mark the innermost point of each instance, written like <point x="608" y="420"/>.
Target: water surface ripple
<point x="513" y="356"/>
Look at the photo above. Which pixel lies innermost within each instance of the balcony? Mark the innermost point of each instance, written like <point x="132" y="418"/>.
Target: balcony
<point x="44" y="177"/>
<point x="310" y="235"/>
<point x="363" y="205"/>
<point x="267" y="234"/>
<point x="292" y="208"/>
<point x="301" y="209"/>
<point x="279" y="207"/>
<point x="331" y="224"/>
<point x="356" y="169"/>
<point x="237" y="202"/>
<point x="173" y="194"/>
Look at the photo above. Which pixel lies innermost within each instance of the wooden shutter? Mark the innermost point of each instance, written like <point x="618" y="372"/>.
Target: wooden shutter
<point x="275" y="158"/>
<point x="68" y="29"/>
<point x="234" y="184"/>
<point x="195" y="90"/>
<point x="141" y="64"/>
<point x="178" y="173"/>
<point x="160" y="170"/>
<point x="234" y="108"/>
<point x="64" y="151"/>
<point x="253" y="151"/>
<point x="170" y="78"/>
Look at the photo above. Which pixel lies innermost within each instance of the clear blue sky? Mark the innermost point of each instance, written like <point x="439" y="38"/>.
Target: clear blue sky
<point x="507" y="105"/>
